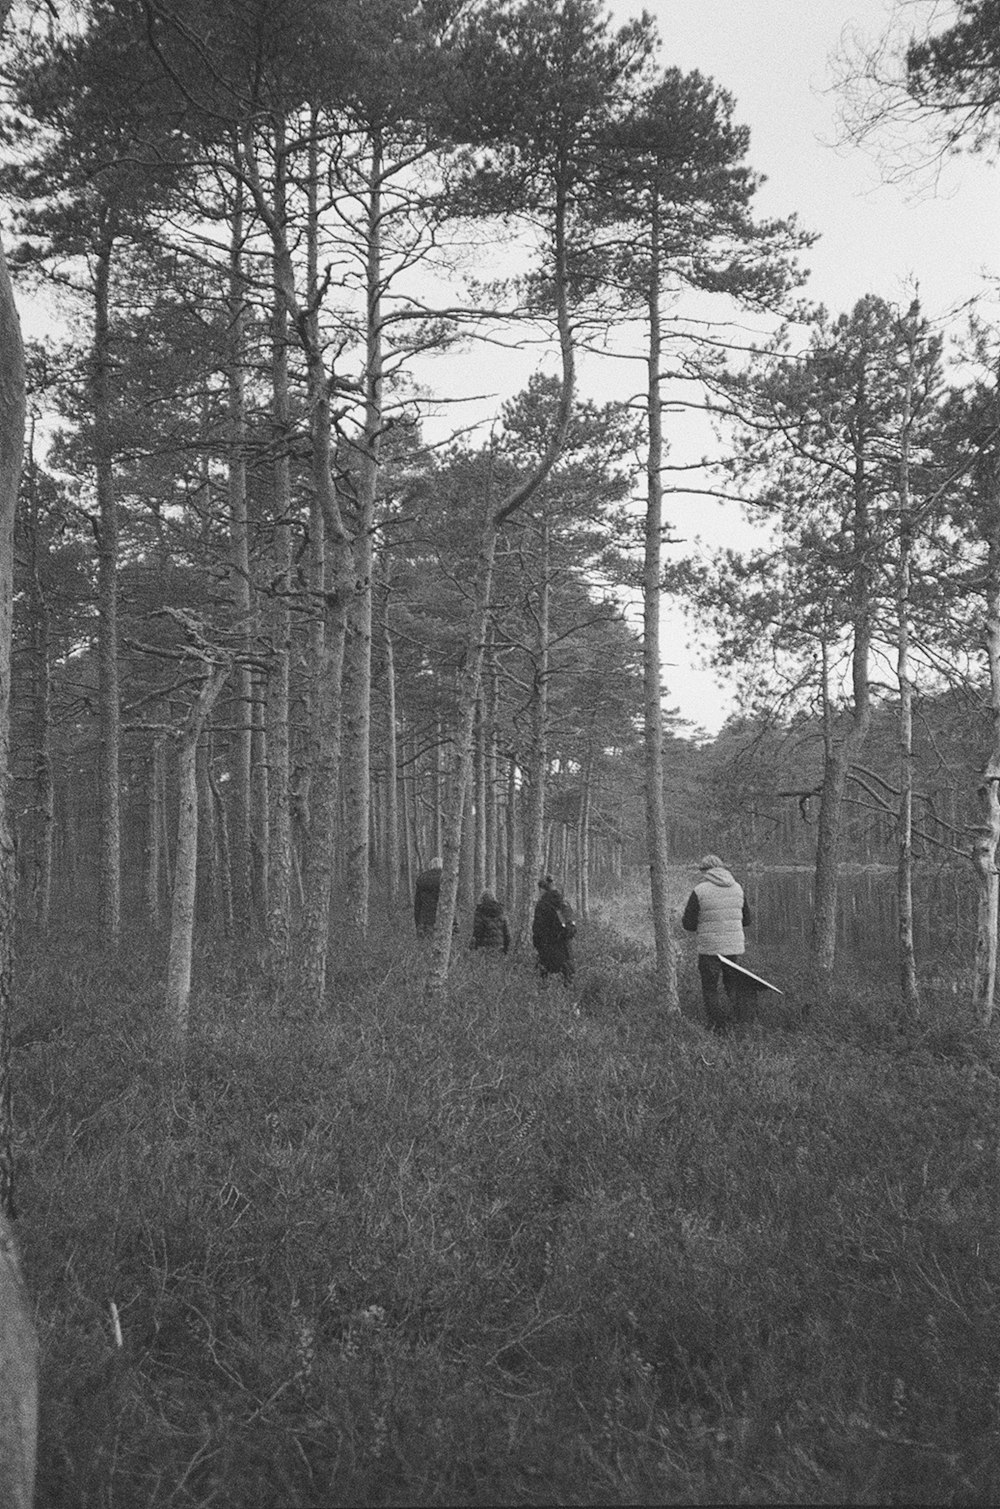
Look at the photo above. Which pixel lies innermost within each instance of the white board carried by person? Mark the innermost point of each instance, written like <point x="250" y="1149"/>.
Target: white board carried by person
<point x="745" y="978"/>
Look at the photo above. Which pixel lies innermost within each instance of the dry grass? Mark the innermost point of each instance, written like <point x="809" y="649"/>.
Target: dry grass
<point x="504" y="1250"/>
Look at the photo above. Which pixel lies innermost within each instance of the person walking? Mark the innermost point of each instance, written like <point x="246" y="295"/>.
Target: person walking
<point x="717" y="912"/>
<point x="426" y="894"/>
<point x="490" y="928"/>
<point x="551" y="932"/>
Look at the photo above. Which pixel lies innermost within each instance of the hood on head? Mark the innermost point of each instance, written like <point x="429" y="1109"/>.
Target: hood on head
<point x="719" y="876"/>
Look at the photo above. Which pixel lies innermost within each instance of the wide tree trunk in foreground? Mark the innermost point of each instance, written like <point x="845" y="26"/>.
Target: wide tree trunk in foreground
<point x="12" y="410"/>
<point x="18" y="1348"/>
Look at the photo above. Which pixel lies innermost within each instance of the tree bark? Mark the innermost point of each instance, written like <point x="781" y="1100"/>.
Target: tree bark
<point x="537" y="769"/>
<point x="44" y="804"/>
<point x="12" y="420"/>
<point x="511" y="825"/>
<point x="909" y="992"/>
<point x="260" y="803"/>
<point x="987" y="838"/>
<point x="391" y="762"/>
<point x="358" y="641"/>
<point x="239" y="546"/>
<point x="325" y="804"/>
<point x="437" y="976"/>
<point x="656" y="815"/>
<point x="223" y="863"/>
<point x="109" y="711"/>
<point x="583" y="835"/>
<point x="840" y="755"/>
<point x="479" y="787"/>
<point x="154" y="832"/>
<point x="491" y="815"/>
<point x="178" y="992"/>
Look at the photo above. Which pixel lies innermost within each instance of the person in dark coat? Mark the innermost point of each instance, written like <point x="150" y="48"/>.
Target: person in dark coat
<point x="551" y="933"/>
<point x="490" y="929"/>
<point x="425" y="898"/>
<point x="717" y="912"/>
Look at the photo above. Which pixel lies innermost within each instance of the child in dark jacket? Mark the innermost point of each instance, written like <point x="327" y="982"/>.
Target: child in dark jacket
<point x="490" y="929"/>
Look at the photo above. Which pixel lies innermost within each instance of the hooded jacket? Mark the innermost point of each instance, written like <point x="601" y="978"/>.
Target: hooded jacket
<point x="550" y="934"/>
<point x="425" y="899"/>
<point x="717" y="911"/>
<point x="489" y="925"/>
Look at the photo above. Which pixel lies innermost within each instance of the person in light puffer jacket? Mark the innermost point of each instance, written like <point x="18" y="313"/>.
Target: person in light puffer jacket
<point x="717" y="911"/>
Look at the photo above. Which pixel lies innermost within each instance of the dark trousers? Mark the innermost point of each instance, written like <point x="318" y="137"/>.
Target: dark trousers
<point x="554" y="961"/>
<point x="731" y="1005"/>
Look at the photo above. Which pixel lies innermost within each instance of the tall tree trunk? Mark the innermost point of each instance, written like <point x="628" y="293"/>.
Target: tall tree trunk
<point x="491" y="818"/>
<point x="583" y="834"/>
<point x="44" y="793"/>
<point x="656" y="814"/>
<point x="391" y="763"/>
<point x="467" y="867"/>
<point x="909" y="992"/>
<point x="358" y="641"/>
<point x="279" y="873"/>
<point x="333" y="586"/>
<point x="178" y="993"/>
<point x="239" y="546"/>
<point x="479" y="788"/>
<point x="260" y="809"/>
<point x="513" y="901"/>
<point x="987" y="838"/>
<point x="409" y="806"/>
<point x="439" y="786"/>
<point x="19" y="1382"/>
<point x="325" y="802"/>
<point x="208" y="843"/>
<point x="469" y="685"/>
<point x="12" y="418"/>
<point x="538" y="757"/>
<point x="154" y="833"/>
<point x="224" y="864"/>
<point x="842" y="751"/>
<point x="109" y="713"/>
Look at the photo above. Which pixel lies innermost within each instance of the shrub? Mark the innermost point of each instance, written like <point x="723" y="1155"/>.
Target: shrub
<point x="518" y="1245"/>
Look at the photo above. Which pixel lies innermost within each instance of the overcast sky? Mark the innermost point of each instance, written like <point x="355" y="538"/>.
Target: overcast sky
<point x="774" y="57"/>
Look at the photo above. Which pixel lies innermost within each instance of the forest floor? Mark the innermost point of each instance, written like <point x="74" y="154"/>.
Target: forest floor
<point x="522" y="1247"/>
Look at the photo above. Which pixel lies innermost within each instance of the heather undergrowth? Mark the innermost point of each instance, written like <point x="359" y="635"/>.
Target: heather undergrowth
<point x="516" y="1247"/>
